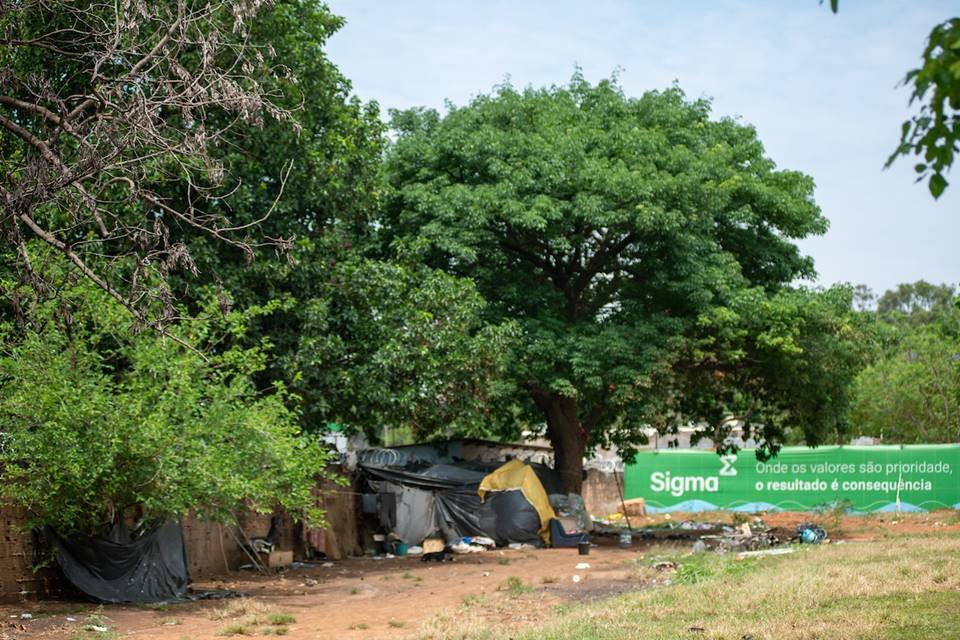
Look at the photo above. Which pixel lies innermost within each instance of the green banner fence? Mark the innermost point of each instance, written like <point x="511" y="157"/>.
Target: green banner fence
<point x="871" y="478"/>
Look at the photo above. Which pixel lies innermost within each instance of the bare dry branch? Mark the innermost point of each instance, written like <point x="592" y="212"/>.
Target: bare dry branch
<point x="109" y="153"/>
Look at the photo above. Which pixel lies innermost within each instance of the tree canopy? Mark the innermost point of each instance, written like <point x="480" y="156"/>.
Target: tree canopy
<point x="106" y="108"/>
<point x="366" y="343"/>
<point x="97" y="421"/>
<point x="910" y="392"/>
<point x="615" y="230"/>
<point x="371" y="344"/>
<point x="916" y="303"/>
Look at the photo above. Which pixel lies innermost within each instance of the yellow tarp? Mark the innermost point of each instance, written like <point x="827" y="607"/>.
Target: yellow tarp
<point x="516" y="475"/>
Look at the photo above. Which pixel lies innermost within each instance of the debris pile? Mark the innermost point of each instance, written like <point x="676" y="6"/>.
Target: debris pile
<point x="749" y="536"/>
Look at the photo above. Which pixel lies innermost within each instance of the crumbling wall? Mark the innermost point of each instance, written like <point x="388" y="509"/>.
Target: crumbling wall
<point x="18" y="580"/>
<point x="212" y="549"/>
<point x="601" y="492"/>
<point x="341" y="504"/>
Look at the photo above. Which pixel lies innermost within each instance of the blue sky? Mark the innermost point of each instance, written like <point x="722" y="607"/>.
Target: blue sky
<point x="820" y="88"/>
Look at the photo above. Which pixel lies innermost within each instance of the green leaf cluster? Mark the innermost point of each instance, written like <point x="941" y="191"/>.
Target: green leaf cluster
<point x="933" y="133"/>
<point x="374" y="344"/>
<point x="97" y="421"/>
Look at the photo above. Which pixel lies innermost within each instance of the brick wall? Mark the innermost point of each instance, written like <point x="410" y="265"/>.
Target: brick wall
<point x="18" y="580"/>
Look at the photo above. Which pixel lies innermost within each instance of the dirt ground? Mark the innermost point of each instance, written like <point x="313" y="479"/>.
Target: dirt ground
<point x="393" y="598"/>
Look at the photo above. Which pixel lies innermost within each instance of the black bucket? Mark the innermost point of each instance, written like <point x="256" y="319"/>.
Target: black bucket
<point x="583" y="548"/>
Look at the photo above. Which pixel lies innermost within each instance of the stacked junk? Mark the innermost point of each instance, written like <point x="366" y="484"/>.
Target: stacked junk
<point x="464" y="507"/>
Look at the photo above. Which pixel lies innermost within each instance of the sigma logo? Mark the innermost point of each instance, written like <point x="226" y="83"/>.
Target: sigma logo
<point x="661" y="481"/>
<point x="728" y="461"/>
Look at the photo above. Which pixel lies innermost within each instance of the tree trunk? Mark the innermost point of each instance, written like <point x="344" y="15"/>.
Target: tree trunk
<point x="566" y="434"/>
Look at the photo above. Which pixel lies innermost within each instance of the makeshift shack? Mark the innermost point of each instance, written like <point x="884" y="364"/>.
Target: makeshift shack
<point x="507" y="503"/>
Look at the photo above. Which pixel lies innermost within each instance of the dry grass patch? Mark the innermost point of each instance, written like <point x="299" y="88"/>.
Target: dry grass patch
<point x="808" y="594"/>
<point x="249" y="617"/>
<point x="906" y="587"/>
<point x="241" y="607"/>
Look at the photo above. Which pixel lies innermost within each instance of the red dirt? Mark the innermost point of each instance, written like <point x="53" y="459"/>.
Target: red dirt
<point x="392" y="597"/>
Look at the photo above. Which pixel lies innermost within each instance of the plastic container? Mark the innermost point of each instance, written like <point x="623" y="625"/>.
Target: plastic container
<point x="626" y="540"/>
<point x="583" y="547"/>
<point x="400" y="549"/>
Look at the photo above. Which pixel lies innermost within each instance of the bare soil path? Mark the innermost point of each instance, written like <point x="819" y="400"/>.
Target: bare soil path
<point x="393" y="598"/>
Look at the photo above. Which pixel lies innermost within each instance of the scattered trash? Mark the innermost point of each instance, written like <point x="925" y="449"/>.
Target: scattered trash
<point x="26" y="616"/>
<point x="582" y="565"/>
<point x="69" y="619"/>
<point x="571" y="506"/>
<point x="415" y="550"/>
<point x="327" y="565"/>
<point x="810" y="533"/>
<point x="697" y="629"/>
<point x="520" y="546"/>
<point x="483" y="541"/>
<point x="576" y="578"/>
<point x="486" y="574"/>
<point x="98" y="628"/>
<point x="310" y="582"/>
<point x="463" y="547"/>
<point x="743" y="537"/>
<point x="665" y="565"/>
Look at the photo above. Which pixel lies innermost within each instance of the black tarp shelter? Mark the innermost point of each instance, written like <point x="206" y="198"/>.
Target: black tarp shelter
<point x="442" y="500"/>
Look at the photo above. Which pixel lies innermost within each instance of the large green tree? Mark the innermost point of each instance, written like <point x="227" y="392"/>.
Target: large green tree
<point x="627" y="236"/>
<point x="370" y="343"/>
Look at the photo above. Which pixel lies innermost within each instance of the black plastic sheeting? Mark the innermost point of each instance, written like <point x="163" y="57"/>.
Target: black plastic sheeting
<point x="457" y="511"/>
<point x="149" y="569"/>
<point x="515" y="519"/>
